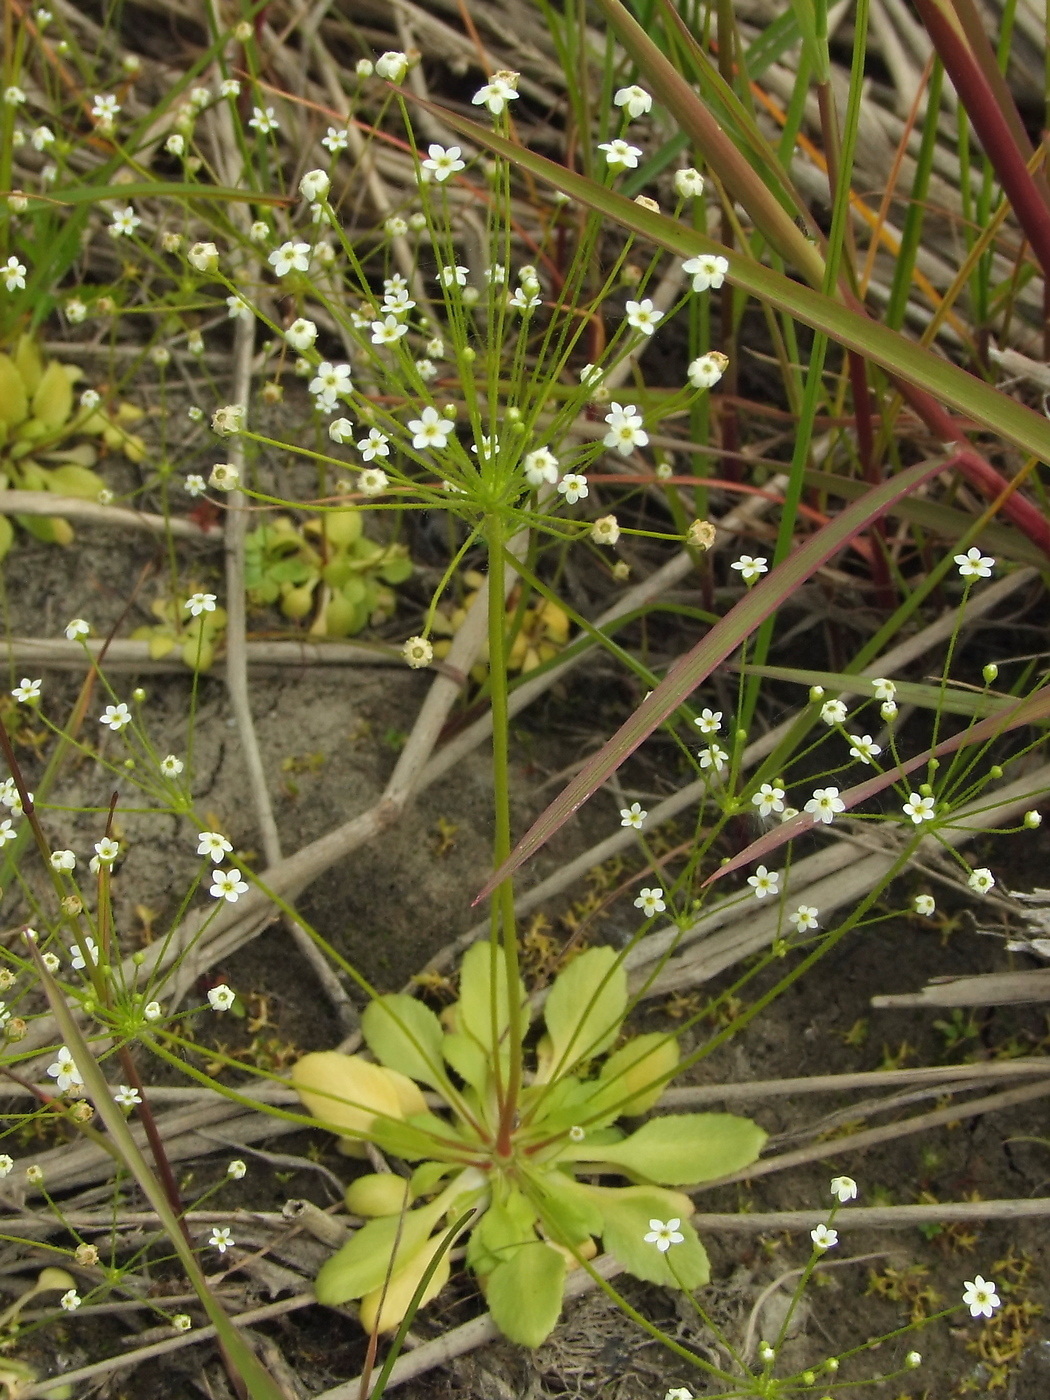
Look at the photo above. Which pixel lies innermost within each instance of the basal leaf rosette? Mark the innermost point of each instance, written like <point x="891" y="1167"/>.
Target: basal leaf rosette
<point x="540" y="1200"/>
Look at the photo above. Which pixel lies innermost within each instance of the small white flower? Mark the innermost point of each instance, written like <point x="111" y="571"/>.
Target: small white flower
<point x="221" y="1239"/>
<point x="7" y="832"/>
<point x="430" y="429"/>
<point x="376" y="444"/>
<point x="392" y="65"/>
<point x="228" y="885"/>
<point x="290" y="257"/>
<point x="75" y="310"/>
<point x="523" y="300"/>
<point x="236" y="1169"/>
<point x="198" y="603"/>
<point x="238" y="308"/>
<point x="63" y="860"/>
<point x="14" y="96"/>
<point x="635" y="100"/>
<point x="335" y="140"/>
<point x="688" y="183"/>
<point x="107" y="850"/>
<point x="974" y="564"/>
<point x="844" y="1188"/>
<point x="203" y="256"/>
<point x="126" y="1097"/>
<point x="314" y="186"/>
<point x="769" y="798"/>
<point x="417" y="652"/>
<point x="643" y="316"/>
<point x="863" y="747"/>
<point x="104" y="109"/>
<point x="229" y="87"/>
<point x="453" y="275"/>
<point x="224" y="476"/>
<point x="171" y="766"/>
<point x="824" y="1238"/>
<point x="924" y="904"/>
<point x="825" y="804"/>
<point x="14" y="274"/>
<point x="804" y="918"/>
<point x="182" y="1322"/>
<point x="70" y="1300"/>
<point x="7" y="1164"/>
<point x="64" y="1070"/>
<point x="372" y="481"/>
<point x="573" y="487"/>
<point x="981" y="880"/>
<point x="28" y="692"/>
<point x="341" y="430"/>
<point x="441" y="163"/>
<point x="222" y="997"/>
<point x="115" y="717"/>
<point x="124" y="223"/>
<point x="364" y="67"/>
<point x="152" y="1011"/>
<point x="497" y="92"/>
<point x="541" y="466"/>
<point x="664" y="1234"/>
<point x="625" y="429"/>
<point x="708" y="271"/>
<point x="331" y="381"/>
<point x="888" y="710"/>
<point x="634" y="815"/>
<point x="619" y="155"/>
<point x="980" y="1297"/>
<point x="264" y="121"/>
<point x="605" y="530"/>
<point x="388" y="331"/>
<point x="175" y="145"/>
<point x="764" y="882"/>
<point x="751" y="567"/>
<point x="78" y="961"/>
<point x="576" y="1134"/>
<point x="919" y="808"/>
<point x="883" y="689"/>
<point x="650" y="901"/>
<point x="215" y="845"/>
<point x="833" y="711"/>
<point x="709" y="722"/>
<point x="714" y="756"/>
<point x="1033" y="819"/>
<point x="194" y="485"/>
<point x="705" y="371"/>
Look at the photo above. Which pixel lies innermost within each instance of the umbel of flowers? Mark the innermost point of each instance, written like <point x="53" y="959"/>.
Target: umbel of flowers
<point x="514" y="1166"/>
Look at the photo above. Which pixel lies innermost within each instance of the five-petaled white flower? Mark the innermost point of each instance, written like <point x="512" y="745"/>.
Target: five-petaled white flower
<point x="126" y="1096"/>
<point x="441" y="163"/>
<point x="643" y="316"/>
<point x="194" y="484"/>
<point x="115" y="717"/>
<point x="417" y="652"/>
<point x="70" y="1300"/>
<point x="264" y="120"/>
<point x="331" y="381"/>
<point x="980" y="1297"/>
<point x="64" y="1070"/>
<point x="77" y="629"/>
<point x="228" y="885"/>
<point x="634" y="100"/>
<point x="981" y="880"/>
<point x="573" y="487"/>
<point x="314" y="185"/>
<point x="705" y="371"/>
<point x="63" y="860"/>
<point x="335" y="140"/>
<point x="974" y="564"/>
<point x="301" y="334"/>
<point x="751" y="567"/>
<point x="14" y="274"/>
<point x="497" y="92"/>
<point x="863" y="747"/>
<point x="392" y="65"/>
<point x="372" y="481"/>
<point x="107" y="850"/>
<point x="453" y="275"/>
<point x="714" y="756"/>
<point x="198" y="603"/>
<point x="764" y="882"/>
<point x="430" y="429"/>
<point x="883" y="689"/>
<point x="919" y="808"/>
<point x="124" y="223"/>
<point x="709" y="722"/>
<point x="824" y="1238"/>
<point x="222" y="997"/>
<point x="844" y="1188"/>
<point x="634" y="815"/>
<point x="833" y="711"/>
<point x="221" y="1238"/>
<point x="541" y="466"/>
<point x="78" y="961"/>
<point x="171" y="766"/>
<point x="104" y="109"/>
<point x="290" y="257"/>
<point x="825" y="804"/>
<point x="664" y="1233"/>
<point x="805" y="917"/>
<point x="688" y="183"/>
<point x="620" y="155"/>
<point x="924" y="904"/>
<point x="769" y="798"/>
<point x="376" y="444"/>
<point x="625" y="429"/>
<point x="213" y="844"/>
<point x="7" y="832"/>
<point x="650" y="901"/>
<point x="28" y="692"/>
<point x="388" y="331"/>
<point x="708" y="271"/>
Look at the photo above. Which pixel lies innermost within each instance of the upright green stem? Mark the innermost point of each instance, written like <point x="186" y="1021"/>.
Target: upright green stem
<point x="503" y="895"/>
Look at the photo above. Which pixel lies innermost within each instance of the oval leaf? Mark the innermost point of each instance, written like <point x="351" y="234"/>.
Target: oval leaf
<point x="405" y="1035"/>
<point x="585" y="1008"/>
<point x="525" y="1294"/>
<point x="681" y="1148"/>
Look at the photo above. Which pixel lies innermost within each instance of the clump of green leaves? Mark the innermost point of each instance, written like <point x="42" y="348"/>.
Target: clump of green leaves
<point x="328" y="567"/>
<point x="38" y="417"/>
<point x="519" y="1149"/>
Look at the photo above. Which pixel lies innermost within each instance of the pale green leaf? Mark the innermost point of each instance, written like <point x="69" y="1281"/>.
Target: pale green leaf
<point x="470" y="1060"/>
<point x="627" y="1213"/>
<point x="482" y="1012"/>
<point x="405" y="1035"/>
<point x="53" y="399"/>
<point x="363" y="1262"/>
<point x="585" y="1008"/>
<point x="680" y="1148"/>
<point x="525" y="1294"/>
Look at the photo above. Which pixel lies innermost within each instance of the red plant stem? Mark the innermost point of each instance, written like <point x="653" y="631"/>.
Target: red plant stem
<point x="994" y="131"/>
